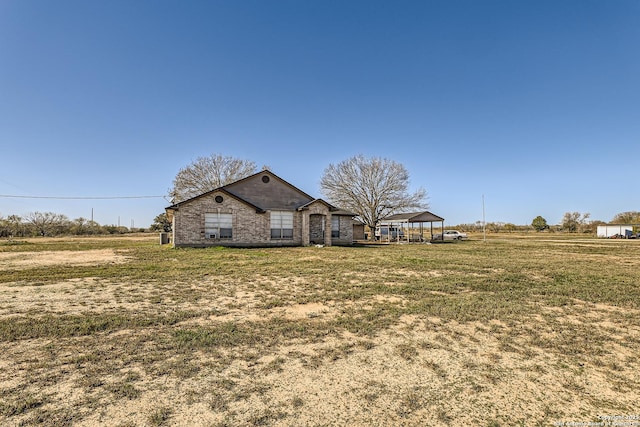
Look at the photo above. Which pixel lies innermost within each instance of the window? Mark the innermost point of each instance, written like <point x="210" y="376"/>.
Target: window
<point x="218" y="225"/>
<point x="335" y="227"/>
<point x="281" y="225"/>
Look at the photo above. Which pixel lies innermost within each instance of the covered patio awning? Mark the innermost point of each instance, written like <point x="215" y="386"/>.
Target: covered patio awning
<point x="410" y="221"/>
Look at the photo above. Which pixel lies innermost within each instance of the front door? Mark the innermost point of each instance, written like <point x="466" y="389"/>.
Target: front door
<point x="316" y="229"/>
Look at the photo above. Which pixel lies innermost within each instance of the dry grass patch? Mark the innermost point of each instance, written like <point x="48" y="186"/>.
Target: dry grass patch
<point x="25" y="260"/>
<point x="501" y="333"/>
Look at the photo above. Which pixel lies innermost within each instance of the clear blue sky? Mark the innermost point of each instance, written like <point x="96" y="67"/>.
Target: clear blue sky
<point x="535" y="104"/>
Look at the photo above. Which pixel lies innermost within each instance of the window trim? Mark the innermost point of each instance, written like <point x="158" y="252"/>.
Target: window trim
<point x="214" y="228"/>
<point x="335" y="231"/>
<point x="279" y="232"/>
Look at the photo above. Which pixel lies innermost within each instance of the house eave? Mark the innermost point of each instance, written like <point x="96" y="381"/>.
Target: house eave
<point x="176" y="206"/>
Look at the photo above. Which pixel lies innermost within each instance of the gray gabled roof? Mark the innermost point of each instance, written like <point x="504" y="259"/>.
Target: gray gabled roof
<point x="334" y="210"/>
<point x="176" y="206"/>
<point x="414" y="217"/>
<point x="266" y="191"/>
<point x="269" y="191"/>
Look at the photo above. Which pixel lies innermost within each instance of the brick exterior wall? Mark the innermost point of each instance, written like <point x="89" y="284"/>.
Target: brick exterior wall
<point x="318" y="213"/>
<point x="251" y="228"/>
<point x="346" y="232"/>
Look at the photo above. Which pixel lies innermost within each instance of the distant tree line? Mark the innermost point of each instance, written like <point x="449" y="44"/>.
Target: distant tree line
<point x="576" y="222"/>
<point x="372" y="188"/>
<point x="493" y="227"/>
<point x="54" y="224"/>
<point x="572" y="222"/>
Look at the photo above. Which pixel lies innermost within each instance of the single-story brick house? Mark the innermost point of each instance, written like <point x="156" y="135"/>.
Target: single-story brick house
<point x="260" y="210"/>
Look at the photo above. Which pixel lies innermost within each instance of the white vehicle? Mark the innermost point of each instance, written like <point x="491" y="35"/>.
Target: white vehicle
<point x="450" y="235"/>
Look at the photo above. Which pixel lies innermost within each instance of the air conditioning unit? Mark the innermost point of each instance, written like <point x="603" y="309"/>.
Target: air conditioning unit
<point x="213" y="236"/>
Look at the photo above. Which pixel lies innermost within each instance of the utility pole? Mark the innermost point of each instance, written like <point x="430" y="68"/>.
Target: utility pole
<point x="484" y="223"/>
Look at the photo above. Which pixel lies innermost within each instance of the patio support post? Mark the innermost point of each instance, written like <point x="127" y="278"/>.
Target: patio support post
<point x="327" y="229"/>
<point x="305" y="228"/>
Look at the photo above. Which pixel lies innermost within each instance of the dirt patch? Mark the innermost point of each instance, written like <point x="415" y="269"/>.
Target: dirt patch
<point x="311" y="310"/>
<point x="25" y="260"/>
<point x="423" y="371"/>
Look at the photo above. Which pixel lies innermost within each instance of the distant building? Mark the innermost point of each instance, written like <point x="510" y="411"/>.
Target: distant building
<point x="618" y="230"/>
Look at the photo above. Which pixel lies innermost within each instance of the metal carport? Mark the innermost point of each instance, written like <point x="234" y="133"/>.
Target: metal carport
<point x="409" y="221"/>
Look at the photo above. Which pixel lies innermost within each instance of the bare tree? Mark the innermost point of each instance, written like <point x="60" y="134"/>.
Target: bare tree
<point x="78" y="226"/>
<point x="575" y="222"/>
<point x="372" y="188"/>
<point x="631" y="217"/>
<point x="82" y="226"/>
<point x="5" y="229"/>
<point x="208" y="173"/>
<point x="47" y="223"/>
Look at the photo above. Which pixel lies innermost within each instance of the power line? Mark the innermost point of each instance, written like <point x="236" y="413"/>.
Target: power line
<point x="80" y="198"/>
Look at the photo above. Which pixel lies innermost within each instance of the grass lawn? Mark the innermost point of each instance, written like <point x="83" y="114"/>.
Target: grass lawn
<point x="513" y="331"/>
